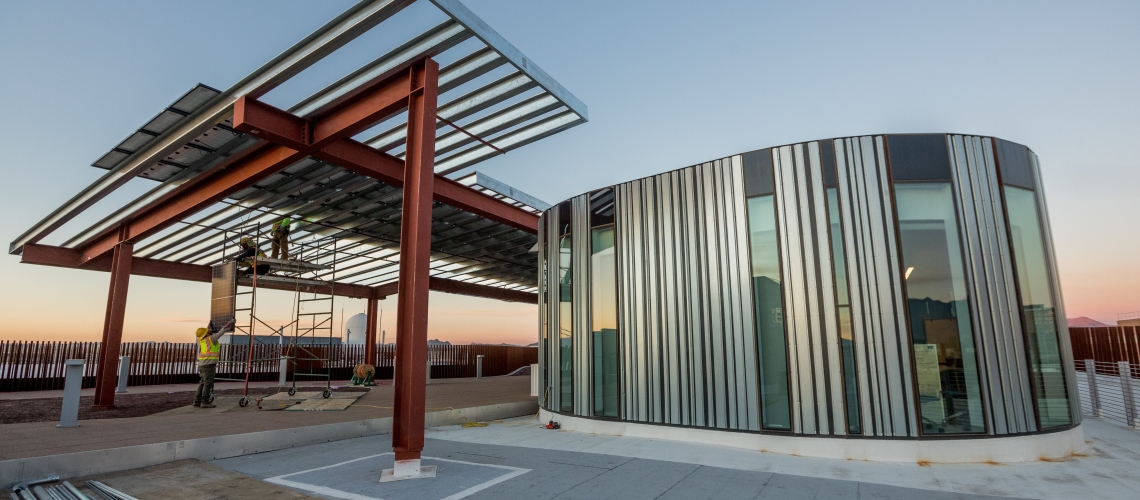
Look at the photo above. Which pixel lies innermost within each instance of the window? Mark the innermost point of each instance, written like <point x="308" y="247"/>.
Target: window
<point x="603" y="304"/>
<point x="767" y="292"/>
<point x="565" y="310"/>
<point x="944" y="357"/>
<point x="1037" y="312"/>
<point x="768" y="301"/>
<point x="843" y="310"/>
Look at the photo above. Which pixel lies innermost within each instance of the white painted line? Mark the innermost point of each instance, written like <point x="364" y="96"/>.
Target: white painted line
<point x="321" y="490"/>
<point x="515" y="472"/>
<point x="324" y="490"/>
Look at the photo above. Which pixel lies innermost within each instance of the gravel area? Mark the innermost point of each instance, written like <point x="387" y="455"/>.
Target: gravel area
<point x="17" y="411"/>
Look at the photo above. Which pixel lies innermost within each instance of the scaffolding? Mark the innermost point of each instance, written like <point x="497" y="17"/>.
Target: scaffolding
<point x="307" y="341"/>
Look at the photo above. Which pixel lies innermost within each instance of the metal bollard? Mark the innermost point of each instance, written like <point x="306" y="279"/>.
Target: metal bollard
<point x="427" y="380"/>
<point x="284" y="371"/>
<point x="73" y="382"/>
<point x="124" y="373"/>
<point x="1130" y="415"/>
<point x="1094" y="393"/>
<point x="479" y="366"/>
<point x="534" y="380"/>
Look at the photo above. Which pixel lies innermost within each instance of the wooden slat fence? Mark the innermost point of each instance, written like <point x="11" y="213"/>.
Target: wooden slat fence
<point x="34" y="365"/>
<point x="1106" y="344"/>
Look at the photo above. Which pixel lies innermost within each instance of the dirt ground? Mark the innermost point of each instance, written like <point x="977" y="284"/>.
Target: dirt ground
<point x="17" y="411"/>
<point x="188" y="480"/>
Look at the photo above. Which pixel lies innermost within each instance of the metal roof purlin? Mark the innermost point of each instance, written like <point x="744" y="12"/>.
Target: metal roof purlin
<point x="333" y="35"/>
<point x="489" y="36"/>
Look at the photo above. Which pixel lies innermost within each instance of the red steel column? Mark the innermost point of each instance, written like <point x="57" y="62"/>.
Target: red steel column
<point x="415" y="253"/>
<point x="370" y="333"/>
<point x="106" y="374"/>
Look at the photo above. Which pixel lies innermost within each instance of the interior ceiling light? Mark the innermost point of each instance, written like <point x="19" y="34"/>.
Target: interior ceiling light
<point x="908" y="271"/>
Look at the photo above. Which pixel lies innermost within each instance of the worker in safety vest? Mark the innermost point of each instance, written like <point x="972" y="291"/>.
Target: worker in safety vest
<point x="208" y="351"/>
<point x="280" y="238"/>
<point x="246" y="258"/>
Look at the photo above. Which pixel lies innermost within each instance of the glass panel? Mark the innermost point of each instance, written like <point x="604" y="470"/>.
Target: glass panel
<point x="1037" y="308"/>
<point x="603" y="315"/>
<point x="566" y="325"/>
<point x="944" y="358"/>
<point x="843" y="305"/>
<point x="768" y="300"/>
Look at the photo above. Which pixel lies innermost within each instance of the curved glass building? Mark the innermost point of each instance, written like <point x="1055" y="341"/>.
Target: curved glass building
<point x="861" y="288"/>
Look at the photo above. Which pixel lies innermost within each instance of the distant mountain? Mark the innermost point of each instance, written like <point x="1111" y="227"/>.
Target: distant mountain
<point x="533" y="345"/>
<point x="438" y="342"/>
<point x="1084" y="322"/>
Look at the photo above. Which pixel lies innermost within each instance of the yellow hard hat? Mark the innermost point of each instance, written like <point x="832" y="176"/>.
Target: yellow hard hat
<point x="246" y="240"/>
<point x="202" y="332"/>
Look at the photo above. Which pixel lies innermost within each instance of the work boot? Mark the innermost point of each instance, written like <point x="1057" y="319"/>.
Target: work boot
<point x="208" y="405"/>
<point x="197" y="403"/>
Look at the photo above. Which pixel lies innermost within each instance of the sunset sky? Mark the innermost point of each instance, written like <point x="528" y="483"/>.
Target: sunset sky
<point x="668" y="84"/>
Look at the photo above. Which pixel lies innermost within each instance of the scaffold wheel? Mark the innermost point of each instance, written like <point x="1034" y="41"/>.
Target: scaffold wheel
<point x="243" y="402"/>
<point x="292" y="391"/>
<point x="327" y="393"/>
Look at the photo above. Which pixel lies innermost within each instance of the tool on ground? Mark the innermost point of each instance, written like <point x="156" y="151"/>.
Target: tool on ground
<point x="553" y="425"/>
<point x="28" y="484"/>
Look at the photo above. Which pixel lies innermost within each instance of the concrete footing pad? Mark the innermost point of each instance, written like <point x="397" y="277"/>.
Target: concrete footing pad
<point x="133" y="457"/>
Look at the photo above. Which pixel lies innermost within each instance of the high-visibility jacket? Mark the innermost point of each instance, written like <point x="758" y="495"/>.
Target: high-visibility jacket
<point x="208" y="349"/>
<point x="282" y="225"/>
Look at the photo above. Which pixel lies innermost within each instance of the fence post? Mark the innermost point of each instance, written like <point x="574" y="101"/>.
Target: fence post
<point x="479" y="366"/>
<point x="1126" y="386"/>
<point x="1094" y="393"/>
<point x="73" y="383"/>
<point x="124" y="373"/>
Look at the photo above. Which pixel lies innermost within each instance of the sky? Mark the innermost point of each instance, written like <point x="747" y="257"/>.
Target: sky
<point x="668" y="84"/>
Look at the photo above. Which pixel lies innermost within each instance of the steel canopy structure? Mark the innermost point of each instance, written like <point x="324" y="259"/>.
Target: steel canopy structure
<point x="366" y="159"/>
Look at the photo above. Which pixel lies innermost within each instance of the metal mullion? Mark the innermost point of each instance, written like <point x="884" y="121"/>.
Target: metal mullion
<point x="828" y="336"/>
<point x="814" y="334"/>
<point x="855" y="287"/>
<point x="871" y="312"/>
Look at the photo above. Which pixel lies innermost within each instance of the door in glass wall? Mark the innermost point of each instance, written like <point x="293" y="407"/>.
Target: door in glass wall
<point x="603" y="316"/>
<point x="1037" y="311"/>
<point x="768" y="301"/>
<point x="565" y="325"/>
<point x="945" y="361"/>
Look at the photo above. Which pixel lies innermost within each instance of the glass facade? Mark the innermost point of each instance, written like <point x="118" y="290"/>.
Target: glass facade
<point x="945" y="362"/>
<point x="727" y="278"/>
<point x="768" y="303"/>
<point x="843" y="311"/>
<point x="603" y="305"/>
<point x="1038" y="314"/>
<point x="566" y="310"/>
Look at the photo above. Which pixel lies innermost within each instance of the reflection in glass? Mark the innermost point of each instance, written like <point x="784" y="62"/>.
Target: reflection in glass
<point x="944" y="358"/>
<point x="565" y="325"/>
<point x="768" y="300"/>
<point x="603" y="315"/>
<point x="1037" y="308"/>
<point x="843" y="305"/>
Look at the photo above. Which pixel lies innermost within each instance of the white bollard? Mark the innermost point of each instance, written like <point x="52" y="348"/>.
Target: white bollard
<point x="1126" y="387"/>
<point x="72" y="384"/>
<point x="534" y="385"/>
<point x="124" y="373"/>
<point x="1094" y="392"/>
<point x="428" y="379"/>
<point x="284" y="371"/>
<point x="479" y="366"/>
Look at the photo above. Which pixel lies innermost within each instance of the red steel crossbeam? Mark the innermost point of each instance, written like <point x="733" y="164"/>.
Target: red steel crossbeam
<point x="47" y="255"/>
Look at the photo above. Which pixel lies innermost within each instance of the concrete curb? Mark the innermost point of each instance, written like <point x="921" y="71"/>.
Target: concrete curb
<point x="84" y="463"/>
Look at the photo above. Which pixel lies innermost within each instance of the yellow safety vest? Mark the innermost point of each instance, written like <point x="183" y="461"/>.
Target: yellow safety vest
<point x="207" y="349"/>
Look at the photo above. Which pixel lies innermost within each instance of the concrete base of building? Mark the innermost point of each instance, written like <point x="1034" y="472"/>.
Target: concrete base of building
<point x="1025" y="448"/>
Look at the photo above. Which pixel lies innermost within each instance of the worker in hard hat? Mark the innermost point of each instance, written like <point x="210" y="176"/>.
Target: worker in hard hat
<point x="280" y="237"/>
<point x="248" y="255"/>
<point x="208" y="354"/>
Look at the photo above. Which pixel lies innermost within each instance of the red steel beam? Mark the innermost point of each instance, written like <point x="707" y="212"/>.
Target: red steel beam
<point x="415" y="264"/>
<point x="47" y="255"/>
<point x="257" y="118"/>
<point x="113" y="325"/>
<point x="196" y="195"/>
<point x="370" y="332"/>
